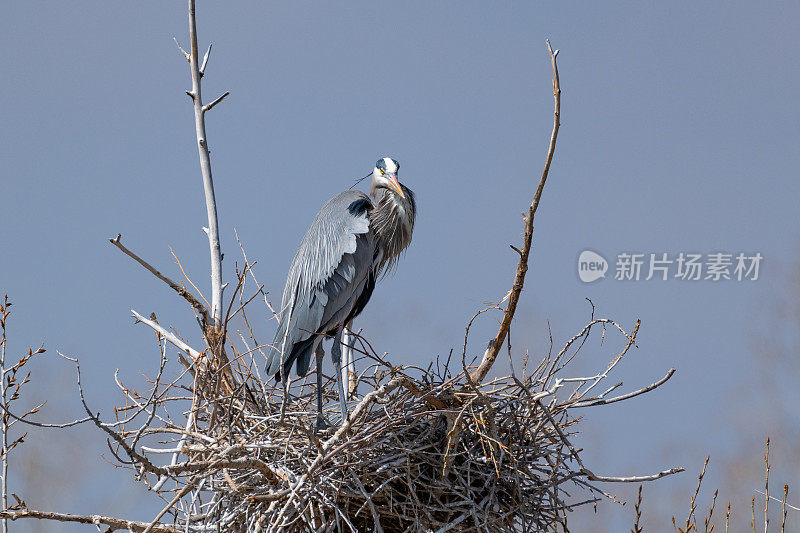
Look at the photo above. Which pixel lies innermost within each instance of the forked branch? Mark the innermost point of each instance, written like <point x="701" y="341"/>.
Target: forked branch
<point x="205" y="167"/>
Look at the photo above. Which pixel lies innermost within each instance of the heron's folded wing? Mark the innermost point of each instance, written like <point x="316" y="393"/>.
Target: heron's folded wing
<point x="331" y="236"/>
<point x="337" y="297"/>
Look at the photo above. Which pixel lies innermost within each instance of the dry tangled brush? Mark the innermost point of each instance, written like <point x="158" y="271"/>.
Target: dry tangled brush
<point x="424" y="454"/>
<point x="422" y="450"/>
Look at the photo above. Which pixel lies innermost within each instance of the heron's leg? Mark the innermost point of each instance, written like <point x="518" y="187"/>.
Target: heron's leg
<point x="352" y="363"/>
<point x="349" y="368"/>
<point x="336" y="354"/>
<point x="320" y="353"/>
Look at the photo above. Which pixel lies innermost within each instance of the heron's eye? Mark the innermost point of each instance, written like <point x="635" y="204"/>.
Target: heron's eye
<point x="382" y="172"/>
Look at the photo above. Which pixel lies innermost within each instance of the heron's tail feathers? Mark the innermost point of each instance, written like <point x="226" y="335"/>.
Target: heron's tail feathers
<point x="300" y="352"/>
<point x="304" y="357"/>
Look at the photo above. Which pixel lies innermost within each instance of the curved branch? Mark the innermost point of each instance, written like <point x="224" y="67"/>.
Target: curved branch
<point x="601" y="401"/>
<point x="522" y="267"/>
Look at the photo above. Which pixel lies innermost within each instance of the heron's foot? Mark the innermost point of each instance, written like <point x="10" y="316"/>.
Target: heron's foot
<point x="322" y="425"/>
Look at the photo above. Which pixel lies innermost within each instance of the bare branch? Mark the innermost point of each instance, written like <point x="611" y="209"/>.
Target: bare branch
<point x="632" y="479"/>
<point x="178" y="495"/>
<point x="205" y="60"/>
<point x="522" y="267"/>
<point x="208" y="107"/>
<point x="643" y="390"/>
<point x="175" y="453"/>
<point x="4" y="312"/>
<point x="205" y="167"/>
<point x="46" y="425"/>
<point x="97" y="520"/>
<point x="171" y="337"/>
<point x="189" y="297"/>
<point x="184" y="52"/>
<point x="143" y="461"/>
<point x="773" y="498"/>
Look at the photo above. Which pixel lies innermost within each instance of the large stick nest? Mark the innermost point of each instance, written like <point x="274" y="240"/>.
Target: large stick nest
<point x="418" y="455"/>
<point x="423" y="450"/>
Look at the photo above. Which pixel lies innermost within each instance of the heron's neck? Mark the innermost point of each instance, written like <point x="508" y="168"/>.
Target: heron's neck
<point x="392" y="222"/>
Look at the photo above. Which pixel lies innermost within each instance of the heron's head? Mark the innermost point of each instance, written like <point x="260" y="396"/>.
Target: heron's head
<point x="384" y="176"/>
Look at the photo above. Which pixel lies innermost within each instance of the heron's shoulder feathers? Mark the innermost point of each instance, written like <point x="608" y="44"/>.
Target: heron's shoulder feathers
<point x="356" y="203"/>
<point x="331" y="235"/>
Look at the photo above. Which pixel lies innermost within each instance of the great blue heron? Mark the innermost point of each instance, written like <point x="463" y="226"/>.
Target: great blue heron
<point x="352" y="241"/>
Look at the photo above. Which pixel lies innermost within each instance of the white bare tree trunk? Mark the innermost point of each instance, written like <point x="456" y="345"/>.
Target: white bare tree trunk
<point x="205" y="166"/>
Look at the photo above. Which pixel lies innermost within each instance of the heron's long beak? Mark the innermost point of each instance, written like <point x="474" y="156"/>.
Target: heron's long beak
<point x="394" y="184"/>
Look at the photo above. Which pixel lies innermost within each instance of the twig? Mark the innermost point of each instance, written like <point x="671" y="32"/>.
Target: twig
<point x="184" y="52"/>
<point x="690" y="520"/>
<point x="4" y="312"/>
<point x="638" y="510"/>
<point x="178" y="495"/>
<point x="633" y="479"/>
<point x="727" y="516"/>
<point x="181" y="443"/>
<point x="709" y="527"/>
<point x="783" y="507"/>
<point x="171" y="337"/>
<point x="208" y="107"/>
<point x="143" y="461"/>
<point x="97" y="520"/>
<point x="205" y="60"/>
<point x="766" y="488"/>
<point x="194" y="302"/>
<point x="773" y="498"/>
<point x="589" y="403"/>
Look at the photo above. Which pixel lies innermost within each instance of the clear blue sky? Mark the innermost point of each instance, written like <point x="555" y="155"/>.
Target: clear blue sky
<point x="679" y="133"/>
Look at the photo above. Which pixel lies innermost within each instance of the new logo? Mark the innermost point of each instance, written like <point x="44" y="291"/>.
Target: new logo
<point x="591" y="266"/>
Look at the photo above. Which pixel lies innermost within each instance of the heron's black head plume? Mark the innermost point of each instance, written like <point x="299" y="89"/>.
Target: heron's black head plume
<point x="359" y="180"/>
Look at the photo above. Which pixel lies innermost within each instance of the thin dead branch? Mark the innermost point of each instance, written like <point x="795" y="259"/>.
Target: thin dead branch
<point x="113" y="524"/>
<point x="522" y="266"/>
<point x="189" y="297"/>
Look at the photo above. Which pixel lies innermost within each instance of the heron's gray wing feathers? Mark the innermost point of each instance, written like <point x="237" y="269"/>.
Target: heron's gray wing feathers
<point x="328" y="271"/>
<point x="339" y="294"/>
